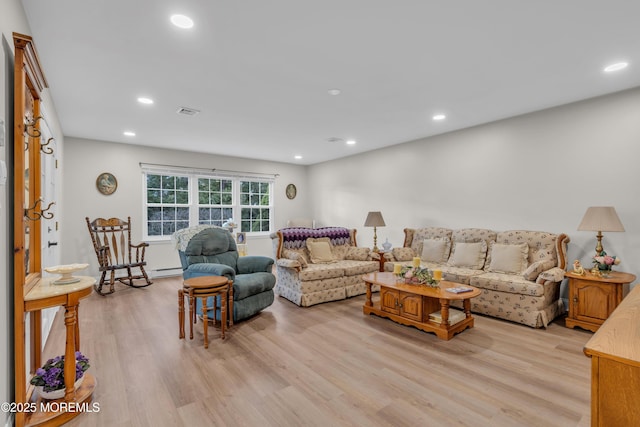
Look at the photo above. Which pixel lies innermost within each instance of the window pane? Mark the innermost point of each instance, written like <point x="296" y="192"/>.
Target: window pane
<point x="168" y="196"/>
<point x="203" y="184"/>
<point x="168" y="182"/>
<point x="244" y="187"/>
<point x="215" y="199"/>
<point x="227" y="199"/>
<point x="153" y="181"/>
<point x="255" y="200"/>
<point x="154" y="214"/>
<point x="168" y="228"/>
<point x="264" y="187"/>
<point x="204" y="214"/>
<point x="182" y="197"/>
<point x="153" y="196"/>
<point x="203" y="198"/>
<point x="255" y="187"/>
<point x="215" y="185"/>
<point x="154" y="228"/>
<point x="168" y="214"/>
<point x="182" y="183"/>
<point x="244" y="199"/>
<point x="227" y="186"/>
<point x="182" y="214"/>
<point x="182" y="224"/>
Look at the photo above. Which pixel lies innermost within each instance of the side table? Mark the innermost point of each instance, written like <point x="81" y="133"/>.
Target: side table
<point x="593" y="298"/>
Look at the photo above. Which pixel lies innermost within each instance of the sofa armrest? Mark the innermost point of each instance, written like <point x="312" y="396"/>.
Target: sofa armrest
<point x="254" y="264"/>
<point x="374" y="256"/>
<point x="209" y="269"/>
<point x="555" y="274"/>
<point x="288" y="263"/>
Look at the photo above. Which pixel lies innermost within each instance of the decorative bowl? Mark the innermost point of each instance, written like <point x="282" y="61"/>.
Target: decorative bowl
<point x="66" y="272"/>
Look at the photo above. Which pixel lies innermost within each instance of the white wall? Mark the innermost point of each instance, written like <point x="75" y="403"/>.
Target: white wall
<point x="85" y="159"/>
<point x="539" y="171"/>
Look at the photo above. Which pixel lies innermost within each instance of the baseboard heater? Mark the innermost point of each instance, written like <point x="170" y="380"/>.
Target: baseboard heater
<point x="166" y="272"/>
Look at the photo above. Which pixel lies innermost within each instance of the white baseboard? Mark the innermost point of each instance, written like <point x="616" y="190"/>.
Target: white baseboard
<point x="166" y="272"/>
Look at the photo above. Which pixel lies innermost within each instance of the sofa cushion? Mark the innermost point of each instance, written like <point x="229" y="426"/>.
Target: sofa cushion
<point x="542" y="245"/>
<point x="296" y="256"/>
<point x="468" y="254"/>
<point x="533" y="271"/>
<point x="357" y="268"/>
<point x="320" y="250"/>
<point x="321" y="271"/>
<point x="340" y="251"/>
<point x="505" y="258"/>
<point x="245" y="285"/>
<point x="403" y="254"/>
<point x="436" y="250"/>
<point x="357" y="254"/>
<point x="510" y="283"/>
<point x="416" y="237"/>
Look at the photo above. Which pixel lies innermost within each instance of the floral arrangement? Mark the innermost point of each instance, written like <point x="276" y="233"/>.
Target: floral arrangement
<point x="605" y="262"/>
<point x="418" y="275"/>
<point x="51" y="376"/>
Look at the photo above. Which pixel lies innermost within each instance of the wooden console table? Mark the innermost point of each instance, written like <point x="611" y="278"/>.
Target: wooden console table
<point x="411" y="305"/>
<point x="45" y="295"/>
<point x="615" y="366"/>
<point x="592" y="299"/>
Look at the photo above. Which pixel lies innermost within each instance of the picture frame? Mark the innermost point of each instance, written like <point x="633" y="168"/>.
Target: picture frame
<point x="291" y="191"/>
<point x="241" y="238"/>
<point x="106" y="183"/>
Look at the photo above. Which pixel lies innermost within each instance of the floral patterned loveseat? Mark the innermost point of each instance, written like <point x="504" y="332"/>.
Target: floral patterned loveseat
<point x="519" y="272"/>
<point x="306" y="280"/>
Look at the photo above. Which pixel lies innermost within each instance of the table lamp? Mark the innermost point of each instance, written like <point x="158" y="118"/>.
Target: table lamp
<point x="374" y="219"/>
<point x="600" y="218"/>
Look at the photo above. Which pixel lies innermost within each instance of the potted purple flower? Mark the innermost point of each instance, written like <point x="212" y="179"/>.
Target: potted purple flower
<point x="49" y="380"/>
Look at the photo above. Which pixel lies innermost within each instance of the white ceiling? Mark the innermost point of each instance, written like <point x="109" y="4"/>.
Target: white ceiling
<point x="259" y="70"/>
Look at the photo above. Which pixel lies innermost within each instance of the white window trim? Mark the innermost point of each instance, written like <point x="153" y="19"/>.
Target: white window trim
<point x="193" y="174"/>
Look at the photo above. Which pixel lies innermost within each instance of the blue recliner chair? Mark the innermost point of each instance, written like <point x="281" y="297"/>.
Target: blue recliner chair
<point x="206" y="250"/>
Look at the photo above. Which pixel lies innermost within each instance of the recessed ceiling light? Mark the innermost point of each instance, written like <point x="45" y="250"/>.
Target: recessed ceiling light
<point x="297" y="157"/>
<point x="143" y="100"/>
<point x="129" y="133"/>
<point x="181" y="21"/>
<point x="334" y="92"/>
<point x="616" y="67"/>
<point x="439" y="117"/>
<point x="351" y="142"/>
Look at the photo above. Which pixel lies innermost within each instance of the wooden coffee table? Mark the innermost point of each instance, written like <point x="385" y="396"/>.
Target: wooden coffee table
<point x="410" y="304"/>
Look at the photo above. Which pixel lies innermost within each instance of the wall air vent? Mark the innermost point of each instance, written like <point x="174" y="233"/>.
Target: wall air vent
<point x="187" y="111"/>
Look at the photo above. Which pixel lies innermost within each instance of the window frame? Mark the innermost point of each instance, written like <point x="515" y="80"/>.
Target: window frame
<point x="193" y="175"/>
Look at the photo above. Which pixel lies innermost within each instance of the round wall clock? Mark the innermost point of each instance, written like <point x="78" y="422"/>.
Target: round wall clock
<point x="291" y="191"/>
<point x="106" y="183"/>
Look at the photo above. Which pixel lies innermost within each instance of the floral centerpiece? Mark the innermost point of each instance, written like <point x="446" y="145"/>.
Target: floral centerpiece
<point x="605" y="262"/>
<point x="51" y="376"/>
<point x="418" y="275"/>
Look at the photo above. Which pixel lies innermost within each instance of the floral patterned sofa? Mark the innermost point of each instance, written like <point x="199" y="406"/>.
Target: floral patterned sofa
<point x="307" y="276"/>
<point x="519" y="272"/>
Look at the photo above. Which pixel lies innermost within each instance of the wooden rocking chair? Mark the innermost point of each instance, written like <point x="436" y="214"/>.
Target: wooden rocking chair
<point x="112" y="242"/>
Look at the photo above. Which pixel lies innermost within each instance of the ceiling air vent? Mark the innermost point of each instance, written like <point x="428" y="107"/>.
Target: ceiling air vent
<point x="187" y="111"/>
<point x="335" y="139"/>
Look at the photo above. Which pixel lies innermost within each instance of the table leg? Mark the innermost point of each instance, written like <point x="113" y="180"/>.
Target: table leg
<point x="223" y="311"/>
<point x="77" y="327"/>
<point x="180" y="314"/>
<point x="69" y="353"/>
<point x="444" y="312"/>
<point x="205" y="322"/>
<point x="467" y="307"/>
<point x="368" y="302"/>
<point x="230" y="303"/>
<point x="192" y="313"/>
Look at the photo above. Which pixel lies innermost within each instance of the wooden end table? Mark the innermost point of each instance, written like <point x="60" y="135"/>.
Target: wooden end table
<point x="410" y="304"/>
<point x="592" y="298"/>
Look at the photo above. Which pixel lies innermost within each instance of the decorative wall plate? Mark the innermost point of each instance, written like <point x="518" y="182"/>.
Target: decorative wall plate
<point x="291" y="191"/>
<point x="106" y="183"/>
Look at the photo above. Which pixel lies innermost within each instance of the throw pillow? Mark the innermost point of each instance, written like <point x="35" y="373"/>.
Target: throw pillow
<point x="533" y="271"/>
<point x="357" y="254"/>
<point x="509" y="259"/>
<point x="296" y="256"/>
<point x="320" y="252"/>
<point x="468" y="254"/>
<point x="402" y="254"/>
<point x="436" y="249"/>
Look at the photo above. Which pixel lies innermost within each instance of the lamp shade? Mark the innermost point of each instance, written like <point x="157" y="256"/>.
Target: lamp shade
<point x="601" y="218"/>
<point x="374" y="219"/>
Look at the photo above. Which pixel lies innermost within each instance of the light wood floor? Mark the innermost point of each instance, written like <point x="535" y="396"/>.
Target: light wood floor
<point x="326" y="365"/>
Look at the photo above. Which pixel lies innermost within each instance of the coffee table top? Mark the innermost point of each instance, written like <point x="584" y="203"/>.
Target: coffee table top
<point x="389" y="280"/>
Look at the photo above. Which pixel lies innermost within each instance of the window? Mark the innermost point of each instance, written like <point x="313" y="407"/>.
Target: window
<point x="255" y="204"/>
<point x="178" y="200"/>
<point x="215" y="201"/>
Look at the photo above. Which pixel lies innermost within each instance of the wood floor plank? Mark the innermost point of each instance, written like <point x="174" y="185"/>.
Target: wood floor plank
<point x="326" y="365"/>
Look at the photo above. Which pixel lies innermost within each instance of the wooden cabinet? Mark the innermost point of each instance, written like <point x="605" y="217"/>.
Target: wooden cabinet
<point x="592" y="299"/>
<point x="401" y="303"/>
<point x="615" y="366"/>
